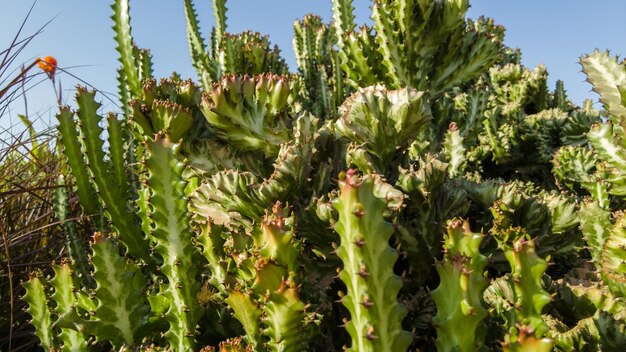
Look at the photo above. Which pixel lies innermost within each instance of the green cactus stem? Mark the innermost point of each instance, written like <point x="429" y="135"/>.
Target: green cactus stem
<point x="530" y="297"/>
<point x="124" y="39"/>
<point x="606" y="241"/>
<point x="604" y="138"/>
<point x="65" y="299"/>
<point x="121" y="310"/>
<point x="421" y="44"/>
<point x="372" y="286"/>
<point x="283" y="311"/>
<point x="199" y="56"/>
<point x="171" y="232"/>
<point x="318" y="65"/>
<point x="38" y="309"/>
<point x="75" y="246"/>
<point x="608" y="78"/>
<point x="74" y="157"/>
<point x="247" y="311"/>
<point x="112" y="195"/>
<point x="459" y="296"/>
<point x="455" y="151"/>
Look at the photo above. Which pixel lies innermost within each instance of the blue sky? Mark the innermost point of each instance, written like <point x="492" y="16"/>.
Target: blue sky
<point x="551" y="32"/>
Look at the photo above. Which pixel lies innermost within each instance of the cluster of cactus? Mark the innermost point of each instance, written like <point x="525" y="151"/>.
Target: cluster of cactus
<point x="450" y="197"/>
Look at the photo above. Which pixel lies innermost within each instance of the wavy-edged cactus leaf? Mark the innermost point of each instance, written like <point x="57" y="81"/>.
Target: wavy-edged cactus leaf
<point x="230" y="194"/>
<point x="212" y="243"/>
<point x="602" y="137"/>
<point x="595" y="224"/>
<point x="383" y="122"/>
<point x="72" y="150"/>
<point x="124" y="39"/>
<point x="248" y="313"/>
<point x="455" y="151"/>
<point x="530" y="297"/>
<point x="249" y="112"/>
<point x="284" y="316"/>
<point x="563" y="213"/>
<point x="575" y="165"/>
<point x="459" y="295"/>
<point x="38" y="309"/>
<point x="121" y="313"/>
<point x="228" y="199"/>
<point x="577" y="125"/>
<point x="582" y="337"/>
<point x="608" y="78"/>
<point x="65" y="299"/>
<point x="114" y="200"/>
<point x="372" y="286"/>
<point x="172" y="234"/>
<point x="613" y="260"/>
<point x="199" y="56"/>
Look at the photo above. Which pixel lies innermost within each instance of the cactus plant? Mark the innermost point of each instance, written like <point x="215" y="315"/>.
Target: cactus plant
<point x="318" y="65"/>
<point x="459" y="295"/>
<point x="221" y="224"/>
<point x="372" y="287"/>
<point x="421" y="44"/>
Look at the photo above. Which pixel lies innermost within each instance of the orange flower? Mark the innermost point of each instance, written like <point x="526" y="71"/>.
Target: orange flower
<point x="48" y="65"/>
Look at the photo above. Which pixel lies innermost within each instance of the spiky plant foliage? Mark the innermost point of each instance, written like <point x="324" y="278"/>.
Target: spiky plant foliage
<point x="459" y="295"/>
<point x="136" y="63"/>
<point x="258" y="275"/>
<point x="375" y="321"/>
<point x="106" y="175"/>
<point x="381" y="125"/>
<point x="245" y="53"/>
<point x="319" y="66"/>
<point x="250" y="112"/>
<point x="167" y="218"/>
<point x="420" y="44"/>
<point x="226" y="226"/>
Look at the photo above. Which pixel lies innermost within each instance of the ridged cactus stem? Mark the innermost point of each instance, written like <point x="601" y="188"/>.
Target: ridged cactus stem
<point x="283" y="311"/>
<point x="124" y="39"/>
<point x="112" y="194"/>
<point x="391" y="45"/>
<point x="343" y="18"/>
<point x="75" y="248"/>
<point x="121" y="311"/>
<point x="38" y="309"/>
<point x="199" y="56"/>
<point x="65" y="299"/>
<point x="530" y="297"/>
<point x="372" y="286"/>
<point x="173" y="237"/>
<point x="71" y="148"/>
<point x="459" y="296"/>
<point x="219" y="11"/>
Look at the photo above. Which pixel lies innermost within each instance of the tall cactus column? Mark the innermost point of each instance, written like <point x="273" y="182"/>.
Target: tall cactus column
<point x="372" y="286"/>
